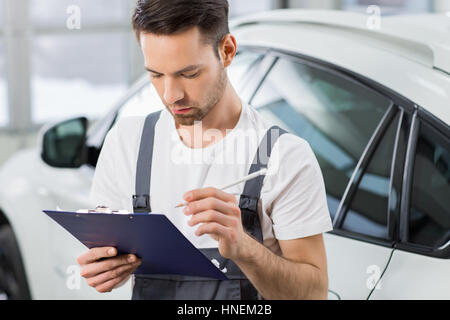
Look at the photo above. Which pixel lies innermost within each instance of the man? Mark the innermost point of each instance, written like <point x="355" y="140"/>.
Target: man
<point x="267" y="234"/>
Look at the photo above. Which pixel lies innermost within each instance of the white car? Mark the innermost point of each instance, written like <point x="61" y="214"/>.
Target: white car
<point x="374" y="104"/>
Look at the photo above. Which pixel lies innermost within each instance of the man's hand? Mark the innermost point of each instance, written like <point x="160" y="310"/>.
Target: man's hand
<point x="220" y="217"/>
<point x="104" y="270"/>
<point x="301" y="273"/>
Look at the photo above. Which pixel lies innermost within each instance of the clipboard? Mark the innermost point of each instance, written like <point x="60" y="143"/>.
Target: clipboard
<point x="150" y="236"/>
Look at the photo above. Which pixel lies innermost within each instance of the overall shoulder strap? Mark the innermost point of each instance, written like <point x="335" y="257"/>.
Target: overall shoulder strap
<point x="248" y="202"/>
<point x="141" y="200"/>
<point x="252" y="189"/>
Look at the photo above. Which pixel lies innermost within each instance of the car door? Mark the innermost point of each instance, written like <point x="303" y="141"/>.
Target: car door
<point x="352" y="131"/>
<point x="420" y="264"/>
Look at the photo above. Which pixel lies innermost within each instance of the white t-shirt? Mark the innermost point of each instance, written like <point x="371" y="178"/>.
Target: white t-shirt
<point x="293" y="199"/>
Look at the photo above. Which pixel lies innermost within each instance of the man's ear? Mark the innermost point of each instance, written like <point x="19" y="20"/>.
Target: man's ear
<point x="227" y="50"/>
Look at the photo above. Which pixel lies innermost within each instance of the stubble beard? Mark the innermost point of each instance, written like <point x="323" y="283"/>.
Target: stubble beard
<point x="199" y="113"/>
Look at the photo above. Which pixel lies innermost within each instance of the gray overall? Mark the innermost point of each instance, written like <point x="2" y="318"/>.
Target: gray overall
<point x="177" y="287"/>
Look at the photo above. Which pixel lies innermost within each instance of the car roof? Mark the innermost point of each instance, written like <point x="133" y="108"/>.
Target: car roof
<point x="409" y="54"/>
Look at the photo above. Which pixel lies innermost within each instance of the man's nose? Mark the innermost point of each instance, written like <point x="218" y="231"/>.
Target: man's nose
<point x="172" y="91"/>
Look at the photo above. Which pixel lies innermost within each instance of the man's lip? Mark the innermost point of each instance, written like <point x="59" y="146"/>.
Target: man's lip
<point x="183" y="110"/>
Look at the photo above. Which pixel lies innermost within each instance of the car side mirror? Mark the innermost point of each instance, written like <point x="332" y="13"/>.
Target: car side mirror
<point x="64" y="144"/>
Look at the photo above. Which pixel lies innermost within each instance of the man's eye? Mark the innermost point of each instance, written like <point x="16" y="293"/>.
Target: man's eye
<point x="155" y="76"/>
<point x="191" y="76"/>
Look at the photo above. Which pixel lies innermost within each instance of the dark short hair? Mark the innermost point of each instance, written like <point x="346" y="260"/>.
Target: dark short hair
<point x="167" y="17"/>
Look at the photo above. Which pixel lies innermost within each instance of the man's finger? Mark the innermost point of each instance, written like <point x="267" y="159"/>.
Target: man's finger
<point x="109" y="285"/>
<point x="211" y="204"/>
<point x="95" y="254"/>
<point x="215" y="229"/>
<point x="95" y="268"/>
<point x="214" y="216"/>
<point x="118" y="272"/>
<point x="199" y="194"/>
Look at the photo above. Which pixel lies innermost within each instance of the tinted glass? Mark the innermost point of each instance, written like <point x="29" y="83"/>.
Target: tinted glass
<point x="369" y="207"/>
<point x="334" y="114"/>
<point x="63" y="144"/>
<point x="429" y="221"/>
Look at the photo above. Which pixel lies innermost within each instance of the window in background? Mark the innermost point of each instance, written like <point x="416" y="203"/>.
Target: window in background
<point x="80" y="74"/>
<point x="239" y="7"/>
<point x="336" y="116"/>
<point x="2" y="13"/>
<point x="144" y="102"/>
<point x="429" y="217"/>
<point x="55" y="13"/>
<point x="389" y="6"/>
<point x="240" y="67"/>
<point x="81" y="56"/>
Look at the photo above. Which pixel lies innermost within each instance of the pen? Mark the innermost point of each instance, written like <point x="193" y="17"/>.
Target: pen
<point x="249" y="177"/>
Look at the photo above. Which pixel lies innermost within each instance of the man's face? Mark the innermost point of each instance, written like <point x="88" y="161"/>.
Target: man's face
<point x="186" y="73"/>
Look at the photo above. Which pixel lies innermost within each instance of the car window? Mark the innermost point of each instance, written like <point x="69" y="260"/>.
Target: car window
<point x="242" y="63"/>
<point x="429" y="218"/>
<point x="144" y="102"/>
<point x="147" y="99"/>
<point x="334" y="114"/>
<point x="368" y="210"/>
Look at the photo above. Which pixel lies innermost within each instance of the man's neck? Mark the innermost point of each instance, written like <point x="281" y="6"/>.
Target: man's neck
<point x="217" y="123"/>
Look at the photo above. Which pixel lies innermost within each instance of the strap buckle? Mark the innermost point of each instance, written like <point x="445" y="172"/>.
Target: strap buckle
<point x="141" y="203"/>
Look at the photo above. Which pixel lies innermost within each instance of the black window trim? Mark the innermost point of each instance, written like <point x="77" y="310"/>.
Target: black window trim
<point x="407" y="177"/>
<point x="420" y="116"/>
<point x="397" y="169"/>
<point x="362" y="165"/>
<point x="431" y="120"/>
<point x="352" y="187"/>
